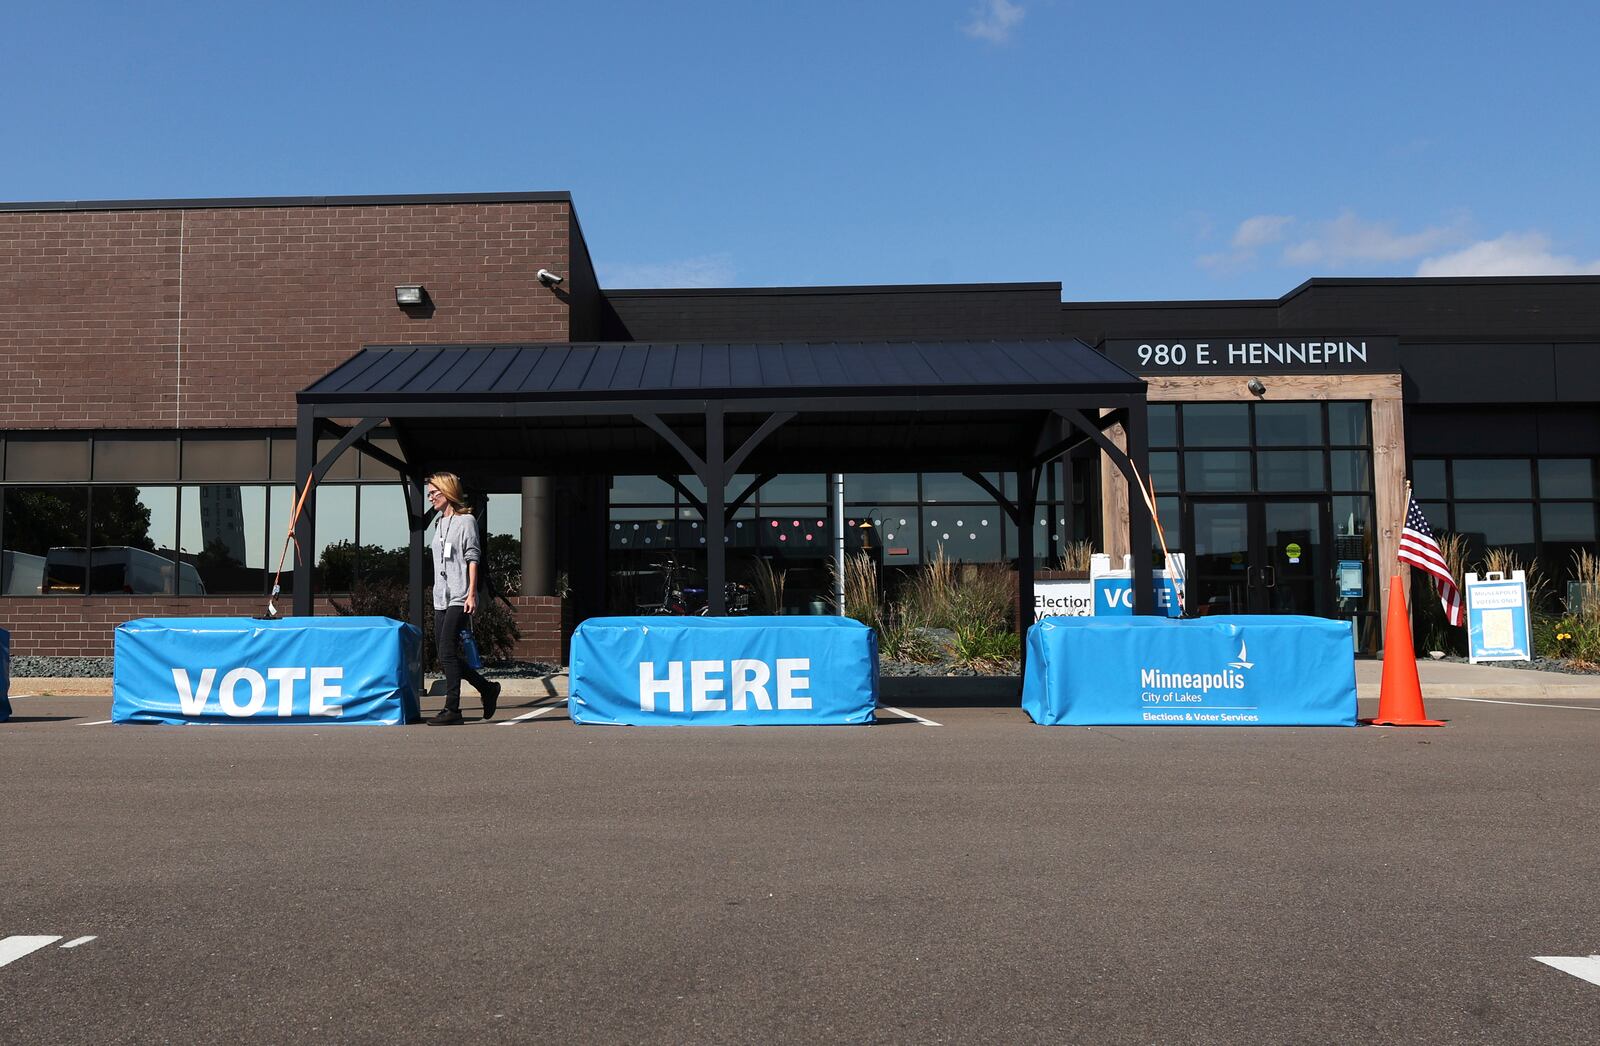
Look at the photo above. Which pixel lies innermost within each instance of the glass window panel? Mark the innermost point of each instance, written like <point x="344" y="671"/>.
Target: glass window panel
<point x="1566" y="478"/>
<point x="45" y="533"/>
<point x="283" y="458"/>
<point x="642" y="528"/>
<point x="385" y="538"/>
<point x="1164" y="471"/>
<point x="1572" y="522"/>
<point x="734" y="488"/>
<point x="1347" y="425"/>
<point x="372" y="468"/>
<point x="225" y="460"/>
<point x="795" y="530"/>
<point x="1351" y="470"/>
<point x="641" y="490"/>
<point x="810" y="488"/>
<point x="135" y="459"/>
<point x="953" y="486"/>
<point x="44" y="460"/>
<point x="1493" y="525"/>
<point x="1216" y="470"/>
<point x="133" y="533"/>
<point x="1290" y="470"/>
<point x="1492" y="478"/>
<point x="223" y="540"/>
<point x="1216" y="425"/>
<point x="968" y="533"/>
<point x="1168" y="511"/>
<point x="1427" y="478"/>
<point x="1163" y="425"/>
<point x="892" y="536"/>
<point x="336" y="538"/>
<point x="346" y="467"/>
<point x="1289" y="424"/>
<point x="1437" y="513"/>
<point x="880" y="487"/>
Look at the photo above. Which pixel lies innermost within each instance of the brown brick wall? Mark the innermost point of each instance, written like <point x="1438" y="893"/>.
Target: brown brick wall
<point x="539" y="619"/>
<point x="217" y="316"/>
<point x="83" y="626"/>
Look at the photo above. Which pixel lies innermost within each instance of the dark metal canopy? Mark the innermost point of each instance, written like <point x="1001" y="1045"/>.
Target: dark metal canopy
<point x="726" y="408"/>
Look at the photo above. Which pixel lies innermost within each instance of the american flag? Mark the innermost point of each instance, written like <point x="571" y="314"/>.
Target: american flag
<point x="1419" y="548"/>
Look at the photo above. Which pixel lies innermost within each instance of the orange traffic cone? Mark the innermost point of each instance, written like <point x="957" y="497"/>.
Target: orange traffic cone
<point x="1400" y="697"/>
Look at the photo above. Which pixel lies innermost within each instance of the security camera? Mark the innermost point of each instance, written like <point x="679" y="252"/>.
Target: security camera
<point x="548" y="278"/>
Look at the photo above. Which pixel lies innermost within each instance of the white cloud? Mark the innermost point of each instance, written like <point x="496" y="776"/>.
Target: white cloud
<point x="711" y="270"/>
<point x="1260" y="231"/>
<point x="993" y="20"/>
<point x="1514" y="254"/>
<point x="1349" y="238"/>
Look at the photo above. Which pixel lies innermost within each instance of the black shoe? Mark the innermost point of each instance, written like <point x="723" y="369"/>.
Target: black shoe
<point x="447" y="717"/>
<point x="491" y="700"/>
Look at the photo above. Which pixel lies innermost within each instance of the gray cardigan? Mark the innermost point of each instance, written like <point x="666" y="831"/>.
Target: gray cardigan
<point x="450" y="575"/>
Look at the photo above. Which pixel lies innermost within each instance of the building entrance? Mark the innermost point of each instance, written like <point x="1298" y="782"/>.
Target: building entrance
<point x="1259" y="555"/>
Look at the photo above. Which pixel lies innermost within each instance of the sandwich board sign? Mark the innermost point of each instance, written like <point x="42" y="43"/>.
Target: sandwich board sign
<point x="1497" y="618"/>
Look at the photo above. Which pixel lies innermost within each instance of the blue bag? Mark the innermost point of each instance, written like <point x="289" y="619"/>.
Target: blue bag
<point x="469" y="650"/>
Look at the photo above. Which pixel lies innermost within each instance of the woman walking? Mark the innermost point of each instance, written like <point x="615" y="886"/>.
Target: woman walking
<point x="456" y="553"/>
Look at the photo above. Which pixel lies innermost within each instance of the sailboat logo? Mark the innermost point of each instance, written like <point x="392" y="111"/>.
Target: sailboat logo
<point x="1241" y="663"/>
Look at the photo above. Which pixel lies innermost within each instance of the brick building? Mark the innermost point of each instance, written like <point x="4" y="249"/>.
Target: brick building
<point x="151" y="352"/>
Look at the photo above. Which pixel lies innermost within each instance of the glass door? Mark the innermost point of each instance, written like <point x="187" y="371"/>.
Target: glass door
<point x="1256" y="555"/>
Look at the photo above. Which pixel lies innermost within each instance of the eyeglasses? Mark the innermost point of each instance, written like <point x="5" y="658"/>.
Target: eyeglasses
<point x="434" y="494"/>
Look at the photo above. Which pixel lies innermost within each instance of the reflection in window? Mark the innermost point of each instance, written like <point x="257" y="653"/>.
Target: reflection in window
<point x="1351" y="470"/>
<point x="640" y="490"/>
<point x="132" y="533"/>
<point x="225" y="460"/>
<point x="953" y="486"/>
<point x="1347" y="424"/>
<point x="890" y="535"/>
<point x="384" y="554"/>
<point x="1163" y="425"/>
<point x="41" y="459"/>
<point x="1216" y="425"/>
<point x="37" y="521"/>
<point x="1213" y="471"/>
<point x="337" y="554"/>
<point x="880" y="487"/>
<point x="1289" y="470"/>
<point x="223" y="538"/>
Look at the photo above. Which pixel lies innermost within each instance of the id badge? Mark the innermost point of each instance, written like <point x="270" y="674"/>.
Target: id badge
<point x="449" y="550"/>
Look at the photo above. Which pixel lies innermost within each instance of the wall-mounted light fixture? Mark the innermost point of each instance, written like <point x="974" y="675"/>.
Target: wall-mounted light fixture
<point x="409" y="294"/>
<point x="1256" y="387"/>
<point x="548" y="278"/>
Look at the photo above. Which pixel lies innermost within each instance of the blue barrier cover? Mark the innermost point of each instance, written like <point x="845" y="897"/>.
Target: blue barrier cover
<point x="728" y="671"/>
<point x="5" y="675"/>
<point x="1241" y="670"/>
<point x="315" y="670"/>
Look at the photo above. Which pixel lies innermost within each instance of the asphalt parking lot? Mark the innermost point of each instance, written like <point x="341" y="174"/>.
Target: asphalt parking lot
<point x="983" y="880"/>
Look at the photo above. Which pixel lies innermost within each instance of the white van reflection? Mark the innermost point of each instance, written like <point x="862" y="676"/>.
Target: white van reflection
<point x="106" y="570"/>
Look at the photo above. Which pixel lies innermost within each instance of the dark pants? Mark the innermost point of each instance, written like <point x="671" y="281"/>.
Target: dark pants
<point x="447" y="626"/>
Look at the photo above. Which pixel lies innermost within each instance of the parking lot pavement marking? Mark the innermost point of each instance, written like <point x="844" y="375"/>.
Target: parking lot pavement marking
<point x="903" y="714"/>
<point x="1524" y="704"/>
<point x="97" y="722"/>
<point x="14" y="948"/>
<point x="80" y="940"/>
<point x="536" y="713"/>
<point x="1583" y="967"/>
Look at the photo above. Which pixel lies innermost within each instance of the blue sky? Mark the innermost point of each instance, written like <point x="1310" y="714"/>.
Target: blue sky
<point x="1129" y="150"/>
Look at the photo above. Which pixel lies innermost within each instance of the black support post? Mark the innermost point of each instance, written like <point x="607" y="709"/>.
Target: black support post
<point x="417" y="513"/>
<point x="715" y="526"/>
<point x="1027" y="512"/>
<point x="305" y="528"/>
<point x="1139" y="533"/>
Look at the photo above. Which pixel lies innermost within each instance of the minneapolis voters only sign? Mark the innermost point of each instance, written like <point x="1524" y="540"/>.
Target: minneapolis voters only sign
<point x="732" y="671"/>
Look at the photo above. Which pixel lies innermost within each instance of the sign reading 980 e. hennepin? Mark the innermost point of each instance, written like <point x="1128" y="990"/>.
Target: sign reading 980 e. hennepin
<point x="306" y="670"/>
<point x="1256" y="354"/>
<point x="728" y="671"/>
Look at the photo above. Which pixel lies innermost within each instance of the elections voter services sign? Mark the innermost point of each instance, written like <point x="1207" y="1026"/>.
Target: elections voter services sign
<point x="723" y="671"/>
<point x="307" y="670"/>
<point x="1235" y="670"/>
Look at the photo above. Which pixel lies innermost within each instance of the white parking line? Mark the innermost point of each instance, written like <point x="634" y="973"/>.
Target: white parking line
<point x="97" y="722"/>
<point x="1584" y="968"/>
<point x="80" y="940"/>
<point x="536" y="713"/>
<point x="14" y="948"/>
<point x="903" y="714"/>
<point x="1524" y="704"/>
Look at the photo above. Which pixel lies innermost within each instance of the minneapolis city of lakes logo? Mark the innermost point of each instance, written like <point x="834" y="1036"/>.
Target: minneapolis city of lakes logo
<point x="1180" y="697"/>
